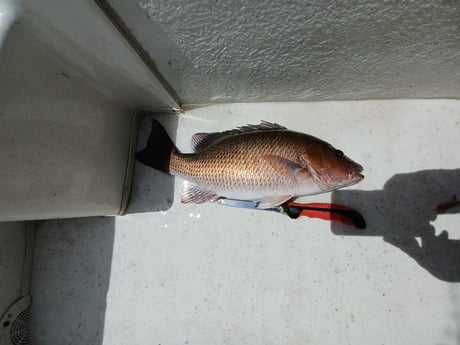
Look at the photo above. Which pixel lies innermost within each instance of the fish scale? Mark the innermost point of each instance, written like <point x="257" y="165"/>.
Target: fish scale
<point x="237" y="163"/>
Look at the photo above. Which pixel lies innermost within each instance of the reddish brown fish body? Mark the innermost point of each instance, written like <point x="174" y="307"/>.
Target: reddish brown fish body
<point x="265" y="162"/>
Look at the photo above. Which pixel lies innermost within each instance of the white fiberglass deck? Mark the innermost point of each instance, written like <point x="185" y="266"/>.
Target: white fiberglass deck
<point x="207" y="274"/>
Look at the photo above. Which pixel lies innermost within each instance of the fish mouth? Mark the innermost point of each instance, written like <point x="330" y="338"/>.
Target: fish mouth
<point x="355" y="177"/>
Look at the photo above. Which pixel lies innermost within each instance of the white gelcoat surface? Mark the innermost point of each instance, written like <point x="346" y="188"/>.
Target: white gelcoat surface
<point x="70" y="84"/>
<point x="233" y="51"/>
<point x="207" y="274"/>
<point x="80" y="35"/>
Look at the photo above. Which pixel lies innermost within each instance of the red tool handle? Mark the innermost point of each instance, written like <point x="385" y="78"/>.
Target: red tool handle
<point x="326" y="211"/>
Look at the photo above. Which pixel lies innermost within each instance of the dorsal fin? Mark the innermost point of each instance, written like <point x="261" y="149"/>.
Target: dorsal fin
<point x="202" y="140"/>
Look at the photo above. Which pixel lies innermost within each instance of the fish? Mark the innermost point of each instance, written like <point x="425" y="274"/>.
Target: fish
<point x="266" y="163"/>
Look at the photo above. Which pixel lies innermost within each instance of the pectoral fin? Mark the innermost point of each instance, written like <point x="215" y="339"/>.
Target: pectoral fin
<point x="193" y="195"/>
<point x="285" y="166"/>
<point x="273" y="201"/>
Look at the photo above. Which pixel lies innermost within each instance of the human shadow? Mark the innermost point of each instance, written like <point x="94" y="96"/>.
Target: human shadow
<point x="402" y="211"/>
<point x="70" y="280"/>
<point x="151" y="190"/>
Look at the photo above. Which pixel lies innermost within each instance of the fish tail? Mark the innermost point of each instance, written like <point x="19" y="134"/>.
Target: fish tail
<point x="157" y="153"/>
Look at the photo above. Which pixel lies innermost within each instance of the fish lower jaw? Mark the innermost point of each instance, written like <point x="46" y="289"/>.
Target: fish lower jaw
<point x="345" y="184"/>
<point x="354" y="179"/>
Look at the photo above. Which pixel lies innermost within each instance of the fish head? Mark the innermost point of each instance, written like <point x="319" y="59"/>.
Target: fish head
<point x="330" y="168"/>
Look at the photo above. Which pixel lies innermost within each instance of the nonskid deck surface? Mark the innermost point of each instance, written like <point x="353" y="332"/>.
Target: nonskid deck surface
<point x="201" y="274"/>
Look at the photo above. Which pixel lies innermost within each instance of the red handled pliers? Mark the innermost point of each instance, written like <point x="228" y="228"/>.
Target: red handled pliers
<point x="331" y="212"/>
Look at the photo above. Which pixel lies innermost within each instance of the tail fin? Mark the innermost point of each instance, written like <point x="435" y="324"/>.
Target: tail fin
<point x="157" y="153"/>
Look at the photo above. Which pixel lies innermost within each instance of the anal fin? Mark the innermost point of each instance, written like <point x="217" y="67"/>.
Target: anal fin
<point x="193" y="195"/>
<point x="273" y="201"/>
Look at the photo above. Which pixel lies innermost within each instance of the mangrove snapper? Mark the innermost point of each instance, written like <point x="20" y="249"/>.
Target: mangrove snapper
<point x="266" y="163"/>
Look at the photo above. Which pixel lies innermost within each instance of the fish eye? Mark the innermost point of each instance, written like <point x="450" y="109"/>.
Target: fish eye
<point x="339" y="153"/>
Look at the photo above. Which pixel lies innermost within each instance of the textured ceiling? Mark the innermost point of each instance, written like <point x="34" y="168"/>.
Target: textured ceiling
<point x="227" y="51"/>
